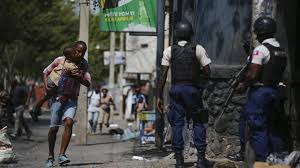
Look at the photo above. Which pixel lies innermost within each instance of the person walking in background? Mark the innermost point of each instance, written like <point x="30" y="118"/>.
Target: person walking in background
<point x="19" y="95"/>
<point x="106" y="101"/>
<point x="138" y="99"/>
<point x="94" y="107"/>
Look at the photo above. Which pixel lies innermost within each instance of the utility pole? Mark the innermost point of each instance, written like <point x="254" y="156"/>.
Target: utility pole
<point x="159" y="117"/>
<point x="121" y="65"/>
<point x="81" y="126"/>
<point x="121" y="74"/>
<point x="112" y="59"/>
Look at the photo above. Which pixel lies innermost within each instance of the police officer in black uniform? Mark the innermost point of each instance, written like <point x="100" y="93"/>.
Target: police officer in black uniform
<point x="263" y="76"/>
<point x="189" y="66"/>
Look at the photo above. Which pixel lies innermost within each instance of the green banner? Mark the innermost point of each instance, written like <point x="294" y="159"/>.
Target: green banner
<point x="128" y="15"/>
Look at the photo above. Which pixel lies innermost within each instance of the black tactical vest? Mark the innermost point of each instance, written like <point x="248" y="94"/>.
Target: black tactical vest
<point x="272" y="72"/>
<point x="185" y="67"/>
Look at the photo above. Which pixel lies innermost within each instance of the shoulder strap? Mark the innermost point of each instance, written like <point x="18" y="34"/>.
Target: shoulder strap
<point x="276" y="51"/>
<point x="91" y="94"/>
<point x="180" y="52"/>
<point x="269" y="47"/>
<point x="189" y="45"/>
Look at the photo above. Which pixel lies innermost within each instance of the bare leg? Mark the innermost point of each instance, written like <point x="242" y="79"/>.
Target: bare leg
<point x="66" y="136"/>
<point x="51" y="140"/>
<point x="107" y="119"/>
<point x="18" y="121"/>
<point x="26" y="127"/>
<point x="39" y="104"/>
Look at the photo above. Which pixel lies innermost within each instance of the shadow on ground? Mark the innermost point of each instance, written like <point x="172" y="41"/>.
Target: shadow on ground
<point x="82" y="164"/>
<point x="149" y="151"/>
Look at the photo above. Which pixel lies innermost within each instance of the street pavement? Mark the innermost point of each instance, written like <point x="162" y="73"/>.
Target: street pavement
<point x="102" y="150"/>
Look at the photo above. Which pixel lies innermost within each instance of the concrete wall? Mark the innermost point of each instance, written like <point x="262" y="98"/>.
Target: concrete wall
<point x="286" y="17"/>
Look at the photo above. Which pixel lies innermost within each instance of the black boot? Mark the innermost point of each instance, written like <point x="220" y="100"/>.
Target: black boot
<point x="201" y="161"/>
<point x="179" y="160"/>
<point x="240" y="156"/>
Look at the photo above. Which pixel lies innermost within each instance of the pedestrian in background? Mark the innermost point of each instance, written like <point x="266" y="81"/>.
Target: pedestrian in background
<point x="138" y="101"/>
<point x="94" y="98"/>
<point x="106" y="101"/>
<point x="19" y="95"/>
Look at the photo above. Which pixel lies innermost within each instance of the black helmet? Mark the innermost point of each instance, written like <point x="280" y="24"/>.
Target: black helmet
<point x="265" y="25"/>
<point x="183" y="30"/>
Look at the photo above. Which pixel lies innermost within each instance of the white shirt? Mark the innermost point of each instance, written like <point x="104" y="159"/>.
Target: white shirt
<point x="261" y="54"/>
<point x="200" y="54"/>
<point x="94" y="102"/>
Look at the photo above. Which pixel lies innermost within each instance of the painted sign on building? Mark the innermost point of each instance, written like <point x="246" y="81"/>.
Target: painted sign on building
<point x="128" y="15"/>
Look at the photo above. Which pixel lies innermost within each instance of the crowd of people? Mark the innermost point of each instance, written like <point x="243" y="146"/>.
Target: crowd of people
<point x="101" y="103"/>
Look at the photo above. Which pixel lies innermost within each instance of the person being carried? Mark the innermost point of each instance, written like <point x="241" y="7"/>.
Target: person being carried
<point x="52" y="76"/>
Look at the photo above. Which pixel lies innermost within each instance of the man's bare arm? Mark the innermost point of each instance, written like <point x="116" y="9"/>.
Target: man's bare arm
<point x="85" y="79"/>
<point x="45" y="80"/>
<point x="162" y="80"/>
<point x="160" y="87"/>
<point x="206" y="70"/>
<point x="252" y="74"/>
<point x="251" y="77"/>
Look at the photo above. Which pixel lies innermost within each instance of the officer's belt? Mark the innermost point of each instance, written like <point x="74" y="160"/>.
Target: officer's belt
<point x="263" y="85"/>
<point x="184" y="83"/>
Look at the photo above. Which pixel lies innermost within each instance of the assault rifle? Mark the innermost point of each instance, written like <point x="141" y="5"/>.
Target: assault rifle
<point x="233" y="83"/>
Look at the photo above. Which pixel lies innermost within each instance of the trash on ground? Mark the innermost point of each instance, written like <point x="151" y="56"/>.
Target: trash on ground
<point x="292" y="159"/>
<point x="7" y="154"/>
<point x="139" y="158"/>
<point x="128" y="134"/>
<point x="116" y="131"/>
<point x="113" y="126"/>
